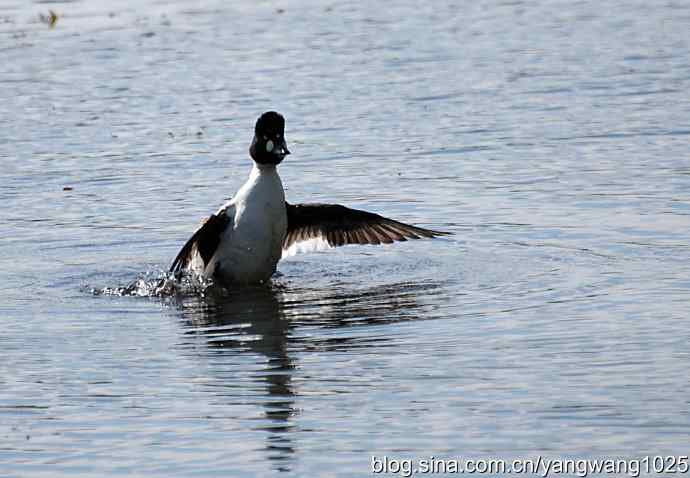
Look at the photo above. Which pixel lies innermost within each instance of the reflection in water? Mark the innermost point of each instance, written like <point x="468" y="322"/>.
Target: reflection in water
<point x="270" y="321"/>
<point x="251" y="319"/>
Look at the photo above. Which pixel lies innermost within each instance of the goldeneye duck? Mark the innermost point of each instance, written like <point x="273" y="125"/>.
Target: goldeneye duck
<point x="244" y="240"/>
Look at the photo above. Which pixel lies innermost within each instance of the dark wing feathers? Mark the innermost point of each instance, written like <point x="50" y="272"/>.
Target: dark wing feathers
<point x="204" y="241"/>
<point x="340" y="225"/>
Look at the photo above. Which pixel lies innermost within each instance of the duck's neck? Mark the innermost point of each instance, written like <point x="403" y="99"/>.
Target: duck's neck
<point x="263" y="182"/>
<point x="263" y="169"/>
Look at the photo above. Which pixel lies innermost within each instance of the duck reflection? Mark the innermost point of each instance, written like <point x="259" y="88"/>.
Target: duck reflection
<point x="277" y="323"/>
<point x="251" y="320"/>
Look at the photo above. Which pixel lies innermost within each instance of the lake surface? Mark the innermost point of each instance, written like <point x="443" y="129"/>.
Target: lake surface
<point x="551" y="138"/>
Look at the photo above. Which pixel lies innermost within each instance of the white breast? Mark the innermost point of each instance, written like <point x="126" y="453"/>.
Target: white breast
<point x="252" y="246"/>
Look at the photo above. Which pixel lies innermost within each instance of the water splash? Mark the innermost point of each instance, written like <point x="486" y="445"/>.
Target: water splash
<point x="163" y="284"/>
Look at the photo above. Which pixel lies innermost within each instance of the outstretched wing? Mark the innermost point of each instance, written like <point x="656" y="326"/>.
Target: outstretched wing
<point x="338" y="225"/>
<point x="203" y="242"/>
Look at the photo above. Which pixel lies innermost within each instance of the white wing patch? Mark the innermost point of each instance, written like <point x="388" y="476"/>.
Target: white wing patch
<point x="197" y="263"/>
<point x="310" y="245"/>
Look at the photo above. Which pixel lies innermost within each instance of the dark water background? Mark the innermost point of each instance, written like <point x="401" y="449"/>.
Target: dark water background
<point x="550" y="137"/>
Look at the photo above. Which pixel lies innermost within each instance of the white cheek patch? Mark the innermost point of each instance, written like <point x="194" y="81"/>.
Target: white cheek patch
<point x="269" y="146"/>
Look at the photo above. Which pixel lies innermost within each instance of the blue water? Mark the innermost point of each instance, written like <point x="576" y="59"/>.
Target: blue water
<point x="550" y="137"/>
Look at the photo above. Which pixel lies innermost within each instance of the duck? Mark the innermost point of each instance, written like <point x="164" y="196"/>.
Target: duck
<point x="243" y="241"/>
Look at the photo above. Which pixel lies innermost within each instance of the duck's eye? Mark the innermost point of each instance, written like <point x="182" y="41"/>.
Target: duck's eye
<point x="269" y="146"/>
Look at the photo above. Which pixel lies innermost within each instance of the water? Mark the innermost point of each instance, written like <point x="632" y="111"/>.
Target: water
<point x="550" y="138"/>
